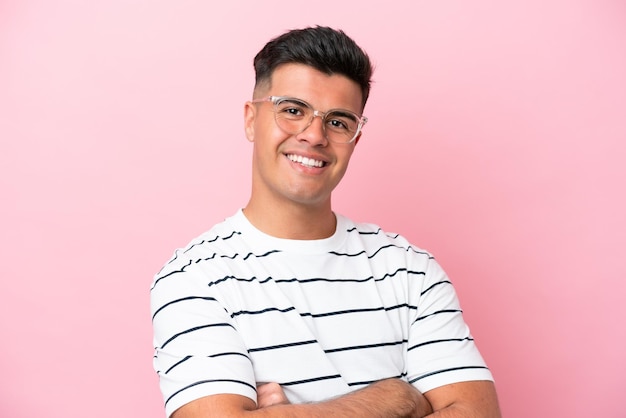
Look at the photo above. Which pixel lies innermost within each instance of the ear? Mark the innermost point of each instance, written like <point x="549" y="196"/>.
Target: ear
<point x="249" y="116"/>
<point x="356" y="141"/>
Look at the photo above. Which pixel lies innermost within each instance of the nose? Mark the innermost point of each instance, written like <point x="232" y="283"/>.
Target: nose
<point x="314" y="133"/>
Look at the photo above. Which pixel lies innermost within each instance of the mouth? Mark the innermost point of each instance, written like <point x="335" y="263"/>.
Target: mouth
<point x="305" y="161"/>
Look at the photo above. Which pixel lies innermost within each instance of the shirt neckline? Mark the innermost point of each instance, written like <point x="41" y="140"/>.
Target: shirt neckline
<point x="293" y="245"/>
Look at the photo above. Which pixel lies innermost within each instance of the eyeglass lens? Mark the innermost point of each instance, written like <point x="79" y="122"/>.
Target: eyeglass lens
<point x="294" y="116"/>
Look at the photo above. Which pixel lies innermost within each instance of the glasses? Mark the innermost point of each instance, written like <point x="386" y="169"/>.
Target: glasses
<point x="294" y="116"/>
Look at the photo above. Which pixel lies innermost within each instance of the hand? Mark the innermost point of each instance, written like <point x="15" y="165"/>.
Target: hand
<point x="269" y="394"/>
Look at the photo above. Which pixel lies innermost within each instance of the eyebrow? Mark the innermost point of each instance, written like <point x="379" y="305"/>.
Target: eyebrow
<point x="344" y="113"/>
<point x="295" y="100"/>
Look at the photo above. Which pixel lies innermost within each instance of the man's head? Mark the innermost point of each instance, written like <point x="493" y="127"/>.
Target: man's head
<point x="299" y="158"/>
<point x="327" y="50"/>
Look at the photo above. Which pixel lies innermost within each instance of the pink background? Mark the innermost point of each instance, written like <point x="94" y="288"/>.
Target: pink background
<point x="497" y="140"/>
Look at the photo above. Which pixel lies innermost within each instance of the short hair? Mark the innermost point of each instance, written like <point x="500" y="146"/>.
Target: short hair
<point x="327" y="50"/>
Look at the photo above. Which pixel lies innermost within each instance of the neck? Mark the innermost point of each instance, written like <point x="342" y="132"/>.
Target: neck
<point x="295" y="221"/>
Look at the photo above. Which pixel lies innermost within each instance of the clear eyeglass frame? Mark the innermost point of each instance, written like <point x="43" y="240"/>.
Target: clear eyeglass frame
<point x="294" y="116"/>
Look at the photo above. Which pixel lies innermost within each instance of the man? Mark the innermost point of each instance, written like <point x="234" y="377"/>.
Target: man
<point x="287" y="309"/>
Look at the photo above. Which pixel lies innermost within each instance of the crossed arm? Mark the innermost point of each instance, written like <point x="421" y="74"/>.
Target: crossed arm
<point x="387" y="398"/>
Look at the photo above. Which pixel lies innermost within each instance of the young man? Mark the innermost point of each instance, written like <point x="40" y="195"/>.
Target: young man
<point x="287" y="309"/>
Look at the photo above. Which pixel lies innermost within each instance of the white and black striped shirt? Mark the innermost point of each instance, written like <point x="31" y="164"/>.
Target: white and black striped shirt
<point x="237" y="307"/>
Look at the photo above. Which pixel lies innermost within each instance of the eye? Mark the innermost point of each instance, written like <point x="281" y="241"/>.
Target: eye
<point x="292" y="108"/>
<point x="342" y="121"/>
<point x="337" y="124"/>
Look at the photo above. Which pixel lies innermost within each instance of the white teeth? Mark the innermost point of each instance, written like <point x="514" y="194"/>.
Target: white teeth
<point x="309" y="162"/>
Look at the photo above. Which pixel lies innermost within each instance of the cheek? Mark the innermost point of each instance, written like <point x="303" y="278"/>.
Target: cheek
<point x="267" y="148"/>
<point x="345" y="156"/>
<point x="264" y="126"/>
<point x="343" y="160"/>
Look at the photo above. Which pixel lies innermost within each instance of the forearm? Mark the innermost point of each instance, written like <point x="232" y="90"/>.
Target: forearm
<point x="455" y="411"/>
<point x="474" y="399"/>
<point x="462" y="411"/>
<point x="385" y="399"/>
<point x="391" y="398"/>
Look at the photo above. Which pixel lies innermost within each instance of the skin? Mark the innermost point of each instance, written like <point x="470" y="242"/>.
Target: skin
<point x="289" y="200"/>
<point x="299" y="196"/>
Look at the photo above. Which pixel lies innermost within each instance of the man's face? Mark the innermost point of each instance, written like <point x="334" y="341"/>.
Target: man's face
<point x="278" y="179"/>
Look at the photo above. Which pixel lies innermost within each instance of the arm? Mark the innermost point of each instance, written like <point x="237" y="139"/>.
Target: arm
<point x="443" y="360"/>
<point x="476" y="399"/>
<point x="465" y="399"/>
<point x="385" y="399"/>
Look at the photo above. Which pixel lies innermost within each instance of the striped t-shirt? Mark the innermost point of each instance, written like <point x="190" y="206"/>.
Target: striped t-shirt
<point x="238" y="307"/>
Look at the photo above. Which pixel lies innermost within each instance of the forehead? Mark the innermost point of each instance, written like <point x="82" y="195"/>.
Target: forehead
<point x="321" y="90"/>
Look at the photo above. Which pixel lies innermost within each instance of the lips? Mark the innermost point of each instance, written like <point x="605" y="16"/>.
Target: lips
<point x="305" y="161"/>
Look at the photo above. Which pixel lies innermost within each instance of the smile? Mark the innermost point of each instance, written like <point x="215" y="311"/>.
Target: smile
<point x="308" y="162"/>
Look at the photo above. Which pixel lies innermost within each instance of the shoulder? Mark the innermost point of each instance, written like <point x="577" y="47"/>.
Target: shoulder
<point x="390" y="250"/>
<point x="373" y="233"/>
<point x="210" y="244"/>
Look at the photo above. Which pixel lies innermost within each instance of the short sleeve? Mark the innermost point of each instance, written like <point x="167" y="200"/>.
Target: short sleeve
<point x="441" y="349"/>
<point x="197" y="349"/>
